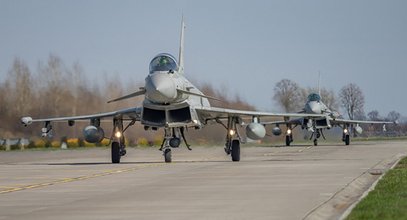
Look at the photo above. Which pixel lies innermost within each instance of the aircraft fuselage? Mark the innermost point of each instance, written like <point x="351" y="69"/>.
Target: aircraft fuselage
<point x="167" y="102"/>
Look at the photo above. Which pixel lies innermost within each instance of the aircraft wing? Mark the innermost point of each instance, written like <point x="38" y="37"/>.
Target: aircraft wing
<point x="130" y="113"/>
<point x="208" y="113"/>
<point x="298" y="121"/>
<point x="348" y="121"/>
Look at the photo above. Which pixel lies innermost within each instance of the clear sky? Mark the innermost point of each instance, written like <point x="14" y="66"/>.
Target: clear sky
<point x="246" y="46"/>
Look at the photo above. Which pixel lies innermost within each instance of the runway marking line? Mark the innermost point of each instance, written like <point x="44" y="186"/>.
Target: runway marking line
<point x="10" y="189"/>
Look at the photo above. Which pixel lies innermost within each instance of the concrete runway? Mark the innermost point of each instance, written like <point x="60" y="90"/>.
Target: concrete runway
<point x="300" y="182"/>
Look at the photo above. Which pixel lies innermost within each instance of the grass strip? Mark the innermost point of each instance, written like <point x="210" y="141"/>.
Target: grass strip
<point x="389" y="198"/>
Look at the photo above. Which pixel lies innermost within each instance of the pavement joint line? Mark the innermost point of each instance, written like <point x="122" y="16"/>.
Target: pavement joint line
<point x="10" y="189"/>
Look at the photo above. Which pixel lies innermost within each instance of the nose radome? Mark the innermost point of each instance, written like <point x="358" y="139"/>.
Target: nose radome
<point x="160" y="88"/>
<point x="315" y="108"/>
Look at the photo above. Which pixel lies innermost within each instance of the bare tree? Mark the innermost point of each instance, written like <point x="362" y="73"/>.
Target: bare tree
<point x="76" y="84"/>
<point x="21" y="83"/>
<point x="17" y="95"/>
<point x="5" y="105"/>
<point x="393" y="116"/>
<point x="287" y="94"/>
<point x="352" y="100"/>
<point x="329" y="98"/>
<point x="373" y="115"/>
<point x="55" y="96"/>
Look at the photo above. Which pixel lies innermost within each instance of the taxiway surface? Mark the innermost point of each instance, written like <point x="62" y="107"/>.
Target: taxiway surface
<point x="268" y="183"/>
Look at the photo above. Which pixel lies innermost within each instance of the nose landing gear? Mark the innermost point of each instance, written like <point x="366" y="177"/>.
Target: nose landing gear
<point x="317" y="134"/>
<point x="172" y="139"/>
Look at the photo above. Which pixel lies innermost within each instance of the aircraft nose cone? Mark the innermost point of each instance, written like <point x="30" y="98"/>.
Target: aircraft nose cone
<point x="314" y="107"/>
<point x="160" y="88"/>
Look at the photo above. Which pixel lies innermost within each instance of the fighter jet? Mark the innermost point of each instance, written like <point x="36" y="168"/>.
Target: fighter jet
<point x="315" y="124"/>
<point x="171" y="103"/>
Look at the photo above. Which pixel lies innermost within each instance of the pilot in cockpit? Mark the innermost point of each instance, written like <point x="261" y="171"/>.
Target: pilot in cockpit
<point x="162" y="63"/>
<point x="313" y="97"/>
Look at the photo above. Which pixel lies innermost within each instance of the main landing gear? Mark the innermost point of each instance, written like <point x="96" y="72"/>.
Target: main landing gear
<point x="345" y="135"/>
<point x="289" y="136"/>
<point x="118" y="143"/>
<point x="232" y="145"/>
<point x="172" y="139"/>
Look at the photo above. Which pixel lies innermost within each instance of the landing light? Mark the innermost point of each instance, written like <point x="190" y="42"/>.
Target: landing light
<point x="345" y="131"/>
<point x="232" y="132"/>
<point x="289" y="131"/>
<point x="118" y="134"/>
<point x="195" y="121"/>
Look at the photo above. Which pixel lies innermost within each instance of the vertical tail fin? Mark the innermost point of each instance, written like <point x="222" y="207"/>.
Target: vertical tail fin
<point x="181" y="48"/>
<point x="319" y="83"/>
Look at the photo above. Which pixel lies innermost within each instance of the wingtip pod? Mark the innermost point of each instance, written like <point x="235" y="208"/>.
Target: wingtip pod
<point x="26" y="121"/>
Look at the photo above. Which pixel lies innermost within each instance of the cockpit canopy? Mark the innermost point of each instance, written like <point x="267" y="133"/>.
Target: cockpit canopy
<point x="163" y="62"/>
<point x="314" y="97"/>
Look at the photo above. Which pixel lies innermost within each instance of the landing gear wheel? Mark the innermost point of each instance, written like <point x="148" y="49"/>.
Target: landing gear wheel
<point x="167" y="155"/>
<point x="116" y="152"/>
<point x="347" y="139"/>
<point x="315" y="142"/>
<point x="235" y="150"/>
<point x="287" y="140"/>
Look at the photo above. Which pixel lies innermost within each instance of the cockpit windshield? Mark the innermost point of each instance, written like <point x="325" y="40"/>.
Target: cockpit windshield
<point x="163" y="62"/>
<point x="313" y="97"/>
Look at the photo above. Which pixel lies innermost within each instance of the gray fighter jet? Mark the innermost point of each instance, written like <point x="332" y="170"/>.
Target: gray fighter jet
<point x="171" y="103"/>
<point x="316" y="123"/>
